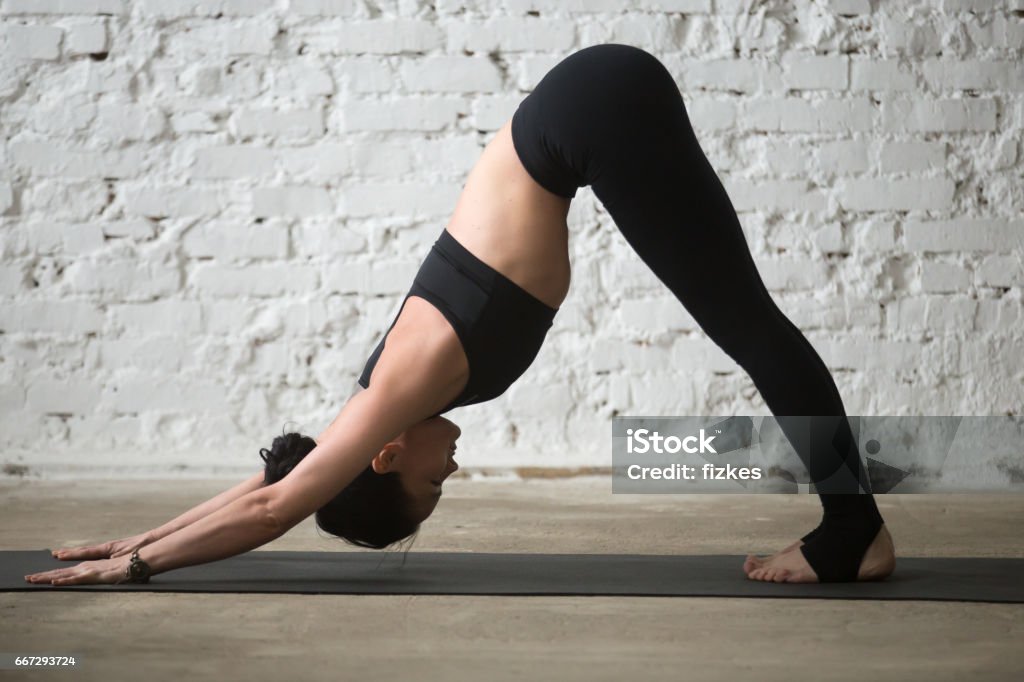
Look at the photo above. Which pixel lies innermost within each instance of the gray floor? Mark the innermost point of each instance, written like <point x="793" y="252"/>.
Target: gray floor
<point x="331" y="637"/>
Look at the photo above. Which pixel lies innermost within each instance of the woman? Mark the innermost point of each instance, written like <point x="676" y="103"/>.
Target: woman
<point x="608" y="116"/>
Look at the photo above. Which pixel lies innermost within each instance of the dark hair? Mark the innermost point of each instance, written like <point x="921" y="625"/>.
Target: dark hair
<point x="373" y="511"/>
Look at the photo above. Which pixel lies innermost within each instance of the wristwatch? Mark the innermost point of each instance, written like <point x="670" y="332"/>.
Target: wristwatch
<point x="138" y="570"/>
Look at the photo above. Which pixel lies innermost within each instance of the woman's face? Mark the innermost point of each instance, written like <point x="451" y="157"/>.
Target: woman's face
<point x="424" y="456"/>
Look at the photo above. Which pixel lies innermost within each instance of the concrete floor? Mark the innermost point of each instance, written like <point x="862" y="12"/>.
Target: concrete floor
<point x="339" y="637"/>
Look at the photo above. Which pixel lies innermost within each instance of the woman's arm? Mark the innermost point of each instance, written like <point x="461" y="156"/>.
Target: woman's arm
<point x="368" y="421"/>
<point x="418" y="373"/>
<point x="208" y="507"/>
<point x="239" y="526"/>
<point x="412" y="381"/>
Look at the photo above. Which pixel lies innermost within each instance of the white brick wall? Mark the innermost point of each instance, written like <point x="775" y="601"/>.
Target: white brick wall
<point x="210" y="210"/>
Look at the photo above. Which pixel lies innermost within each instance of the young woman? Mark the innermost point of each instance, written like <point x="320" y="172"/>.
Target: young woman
<point x="609" y="117"/>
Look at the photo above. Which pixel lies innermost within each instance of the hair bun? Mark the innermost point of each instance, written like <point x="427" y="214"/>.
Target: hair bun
<point x="283" y="456"/>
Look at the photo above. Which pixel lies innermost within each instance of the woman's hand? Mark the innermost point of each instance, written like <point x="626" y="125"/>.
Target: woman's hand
<point x="105" y="550"/>
<point x="104" y="571"/>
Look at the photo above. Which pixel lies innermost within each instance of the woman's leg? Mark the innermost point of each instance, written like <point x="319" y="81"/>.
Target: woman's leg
<point x="611" y="116"/>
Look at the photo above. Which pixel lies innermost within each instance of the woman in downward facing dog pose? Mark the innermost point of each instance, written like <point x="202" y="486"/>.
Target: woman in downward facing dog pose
<point x="610" y="117"/>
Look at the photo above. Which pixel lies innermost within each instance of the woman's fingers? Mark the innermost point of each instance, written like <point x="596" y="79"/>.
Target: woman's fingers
<point x="90" y="552"/>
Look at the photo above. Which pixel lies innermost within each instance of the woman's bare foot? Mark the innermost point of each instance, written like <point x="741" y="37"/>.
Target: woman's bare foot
<point x="753" y="561"/>
<point x="790" y="566"/>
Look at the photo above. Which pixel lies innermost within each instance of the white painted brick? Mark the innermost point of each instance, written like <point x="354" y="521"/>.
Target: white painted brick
<point x="914" y="38"/>
<point x="843" y="157"/>
<point x="743" y="75"/>
<point x="905" y="156"/>
<point x="299" y="80"/>
<point x="509" y="34"/>
<point x="203" y="8"/>
<point x="1001" y="270"/>
<point x="933" y="314"/>
<point x="296" y="124"/>
<point x="255" y="280"/>
<point x="606" y="355"/>
<point x="67" y="396"/>
<point x="63" y="7"/>
<point x="1000" y="313"/>
<point x="126" y="280"/>
<point x="59" y="317"/>
<point x="541" y="400"/>
<point x="44" y="158"/>
<point x="138" y="392"/>
<point x="450" y="74"/>
<point x="12" y="398"/>
<point x="645" y="29"/>
<point x="398" y="114"/>
<point x="810" y="313"/>
<point x="797" y="115"/>
<point x="162" y="202"/>
<point x="353" y="278"/>
<point x="120" y="122"/>
<point x="628" y="276"/>
<point x="369" y="199"/>
<point x="245" y="38"/>
<point x="710" y="115"/>
<point x="971" y="5"/>
<point x="291" y="201"/>
<point x="155" y="317"/>
<point x="938" y="115"/>
<point x="850" y="7"/>
<point x="380" y="36"/>
<point x="164" y="353"/>
<point x="885" y="74"/>
<point x="681" y="6"/>
<point x="814" y="72"/>
<point x="138" y="229"/>
<point x="829" y="238"/>
<point x="792" y="274"/>
<point x="54" y="237"/>
<point x="866" y="353"/>
<point x="236" y="161"/>
<point x="964" y="234"/>
<point x="664" y="312"/>
<point x="86" y="38"/>
<point x="871" y="194"/>
<point x="779" y="194"/>
<point x="327" y="241"/>
<point x="6" y="196"/>
<point x="943" y="75"/>
<point x="318" y="8"/>
<point x="873" y="236"/>
<point x="193" y="122"/>
<point x="944" y="277"/>
<point x="225" y="317"/>
<point x="34" y="42"/>
<point x="1009" y="32"/>
<point x="12" y="281"/>
<point x="391" y="277"/>
<point x="230" y="241"/>
<point x="366" y="74"/>
<point x="327" y="162"/>
<point x="699" y="353"/>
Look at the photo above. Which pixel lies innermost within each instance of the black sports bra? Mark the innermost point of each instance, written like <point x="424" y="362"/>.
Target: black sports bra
<point x="501" y="326"/>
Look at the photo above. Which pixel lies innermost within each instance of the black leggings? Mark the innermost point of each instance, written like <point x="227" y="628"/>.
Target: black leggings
<point x="610" y="116"/>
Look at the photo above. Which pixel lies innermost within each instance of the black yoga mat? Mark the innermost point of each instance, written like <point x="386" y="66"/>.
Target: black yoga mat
<point x="393" y="572"/>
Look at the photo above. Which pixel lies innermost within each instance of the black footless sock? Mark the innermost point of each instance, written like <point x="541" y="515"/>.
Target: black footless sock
<point x="836" y="547"/>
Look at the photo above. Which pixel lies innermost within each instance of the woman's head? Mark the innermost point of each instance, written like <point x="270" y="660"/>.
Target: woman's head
<point x="389" y="499"/>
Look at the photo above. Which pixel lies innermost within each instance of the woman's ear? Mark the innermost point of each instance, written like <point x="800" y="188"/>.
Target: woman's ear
<point x="385" y="459"/>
